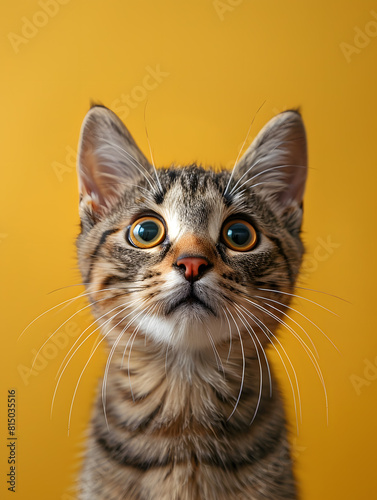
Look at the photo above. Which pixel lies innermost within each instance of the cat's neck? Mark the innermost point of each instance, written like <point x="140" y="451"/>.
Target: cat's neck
<point x="230" y="382"/>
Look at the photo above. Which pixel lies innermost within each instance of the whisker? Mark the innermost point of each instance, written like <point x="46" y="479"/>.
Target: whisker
<point x="131" y="339"/>
<point x="325" y="293"/>
<point x="304" y="346"/>
<point x="260" y="373"/>
<point x="295" y="322"/>
<point x="118" y="182"/>
<point x="78" y="347"/>
<point x="86" y="364"/>
<point x="150" y="148"/>
<point x="108" y="362"/>
<point x="282" y="322"/>
<point x="263" y="173"/>
<point x="62" y="369"/>
<point x="243" y="366"/>
<point x="132" y="159"/>
<point x="144" y="311"/>
<point x="264" y="327"/>
<point x="243" y="145"/>
<point x="134" y="335"/>
<point x="62" y="303"/>
<point x="90" y="357"/>
<point x="230" y="335"/>
<point x="219" y="364"/>
<point x="285" y="325"/>
<point x="59" y="327"/>
<point x="100" y="326"/>
<point x="104" y="382"/>
<point x="299" y="297"/>
<point x="85" y="284"/>
<point x="67" y="286"/>
<point x="303" y="315"/>
<point x="260" y="345"/>
<point x="254" y="165"/>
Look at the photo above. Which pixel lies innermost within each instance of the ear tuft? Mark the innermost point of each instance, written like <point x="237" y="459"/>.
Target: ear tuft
<point x="276" y="162"/>
<point x="108" y="159"/>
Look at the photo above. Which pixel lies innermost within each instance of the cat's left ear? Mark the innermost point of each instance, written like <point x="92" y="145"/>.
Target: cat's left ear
<point x="108" y="161"/>
<point x="276" y="163"/>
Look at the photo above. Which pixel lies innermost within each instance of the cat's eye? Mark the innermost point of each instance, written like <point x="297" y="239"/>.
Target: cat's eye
<point x="146" y="232"/>
<point x="239" y="235"/>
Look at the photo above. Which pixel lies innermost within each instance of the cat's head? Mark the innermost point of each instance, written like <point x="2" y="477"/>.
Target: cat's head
<point x="185" y="255"/>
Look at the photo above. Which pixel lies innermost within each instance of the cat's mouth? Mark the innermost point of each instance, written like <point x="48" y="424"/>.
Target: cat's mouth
<point x="190" y="301"/>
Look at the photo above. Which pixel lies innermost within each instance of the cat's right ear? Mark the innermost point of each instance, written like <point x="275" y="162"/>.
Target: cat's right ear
<point x="108" y="160"/>
<point x="276" y="166"/>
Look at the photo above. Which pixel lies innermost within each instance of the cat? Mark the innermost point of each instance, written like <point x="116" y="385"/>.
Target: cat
<point x="184" y="267"/>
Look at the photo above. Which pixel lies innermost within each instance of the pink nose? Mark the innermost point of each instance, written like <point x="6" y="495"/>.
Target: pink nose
<point x="193" y="266"/>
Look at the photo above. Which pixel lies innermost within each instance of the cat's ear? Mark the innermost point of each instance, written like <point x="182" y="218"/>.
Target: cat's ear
<point x="108" y="161"/>
<point x="276" y="162"/>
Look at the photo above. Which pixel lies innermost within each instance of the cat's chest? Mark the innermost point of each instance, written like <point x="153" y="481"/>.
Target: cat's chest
<point x="159" y="400"/>
<point x="180" y="404"/>
<point x="178" y="432"/>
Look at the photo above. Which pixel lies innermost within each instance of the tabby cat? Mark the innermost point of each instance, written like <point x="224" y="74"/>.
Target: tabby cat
<point x="189" y="272"/>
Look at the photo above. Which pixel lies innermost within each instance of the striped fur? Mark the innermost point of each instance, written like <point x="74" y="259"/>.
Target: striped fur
<point x="189" y="409"/>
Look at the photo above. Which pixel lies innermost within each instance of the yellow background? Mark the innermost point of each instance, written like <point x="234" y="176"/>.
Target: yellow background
<point x="220" y="61"/>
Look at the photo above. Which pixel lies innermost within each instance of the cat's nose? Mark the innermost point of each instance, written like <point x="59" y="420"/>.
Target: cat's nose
<point x="194" y="267"/>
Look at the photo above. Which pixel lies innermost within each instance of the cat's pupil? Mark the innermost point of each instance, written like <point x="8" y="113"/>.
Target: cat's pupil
<point x="238" y="233"/>
<point x="146" y="231"/>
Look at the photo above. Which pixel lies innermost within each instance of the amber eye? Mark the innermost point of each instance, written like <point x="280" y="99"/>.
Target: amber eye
<point x="239" y="235"/>
<point x="146" y="232"/>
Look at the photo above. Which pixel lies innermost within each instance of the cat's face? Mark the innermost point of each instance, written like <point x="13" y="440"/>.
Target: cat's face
<point x="185" y="255"/>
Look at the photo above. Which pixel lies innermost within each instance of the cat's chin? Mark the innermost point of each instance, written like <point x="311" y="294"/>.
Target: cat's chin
<point x="188" y="326"/>
<point x="192" y="307"/>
